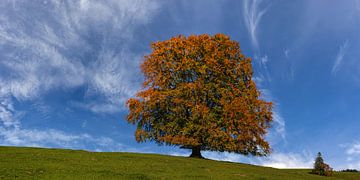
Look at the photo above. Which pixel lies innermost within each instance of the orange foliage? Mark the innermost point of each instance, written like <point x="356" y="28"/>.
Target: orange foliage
<point x="198" y="91"/>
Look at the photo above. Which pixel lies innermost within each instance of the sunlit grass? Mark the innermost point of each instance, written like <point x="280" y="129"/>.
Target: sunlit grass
<point x="38" y="163"/>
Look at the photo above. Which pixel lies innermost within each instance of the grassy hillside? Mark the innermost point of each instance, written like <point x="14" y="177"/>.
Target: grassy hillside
<point x="37" y="163"/>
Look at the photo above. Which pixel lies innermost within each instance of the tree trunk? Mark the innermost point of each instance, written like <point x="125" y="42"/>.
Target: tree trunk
<point x="196" y="152"/>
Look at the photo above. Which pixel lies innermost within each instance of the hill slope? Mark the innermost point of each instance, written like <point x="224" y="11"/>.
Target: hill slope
<point x="38" y="163"/>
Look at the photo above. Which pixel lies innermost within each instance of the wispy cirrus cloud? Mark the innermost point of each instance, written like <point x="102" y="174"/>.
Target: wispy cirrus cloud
<point x="290" y="75"/>
<point x="52" y="45"/>
<point x="6" y="112"/>
<point x="278" y="131"/>
<point x="56" y="49"/>
<point x="343" y="48"/>
<point x="263" y="62"/>
<point x="13" y="134"/>
<point x="286" y="52"/>
<point x="253" y="12"/>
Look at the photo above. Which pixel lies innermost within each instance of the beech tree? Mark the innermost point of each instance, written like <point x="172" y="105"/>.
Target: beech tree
<point x="198" y="93"/>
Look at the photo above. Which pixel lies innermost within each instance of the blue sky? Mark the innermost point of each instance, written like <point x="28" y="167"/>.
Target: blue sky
<point x="67" y="67"/>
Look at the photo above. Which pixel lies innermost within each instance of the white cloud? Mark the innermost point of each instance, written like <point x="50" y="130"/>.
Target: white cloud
<point x="220" y="156"/>
<point x="253" y="12"/>
<point x="279" y="126"/>
<point x="263" y="63"/>
<point x="12" y="134"/>
<point x="54" y="50"/>
<point x="353" y="149"/>
<point x="280" y="123"/>
<point x="352" y="153"/>
<point x="290" y="62"/>
<point x="9" y="117"/>
<point x="56" y="138"/>
<point x="339" y="57"/>
<point x="98" y="107"/>
<point x="278" y="131"/>
<point x="258" y="80"/>
<point x="6" y="113"/>
<point x="275" y="160"/>
<point x="287" y="161"/>
<point x="106" y="80"/>
<point x="264" y="60"/>
<point x="252" y="16"/>
<point x="286" y="52"/>
<point x="64" y="45"/>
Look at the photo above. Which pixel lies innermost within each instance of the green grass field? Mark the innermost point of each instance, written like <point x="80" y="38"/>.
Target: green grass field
<point x="38" y="163"/>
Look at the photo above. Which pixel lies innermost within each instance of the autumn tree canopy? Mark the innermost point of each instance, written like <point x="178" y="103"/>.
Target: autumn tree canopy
<point x="198" y="93"/>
